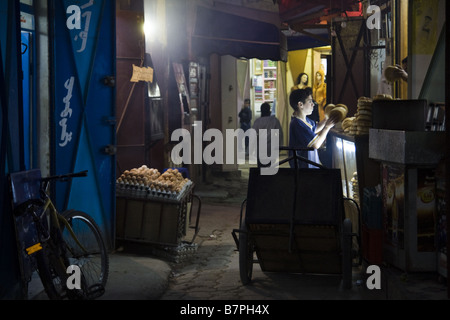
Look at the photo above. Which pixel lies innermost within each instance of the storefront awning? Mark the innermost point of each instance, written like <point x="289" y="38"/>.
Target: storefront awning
<point x="228" y="34"/>
<point x="308" y="38"/>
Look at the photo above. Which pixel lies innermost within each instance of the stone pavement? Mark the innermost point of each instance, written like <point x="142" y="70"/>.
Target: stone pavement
<point x="213" y="272"/>
<point x="131" y="277"/>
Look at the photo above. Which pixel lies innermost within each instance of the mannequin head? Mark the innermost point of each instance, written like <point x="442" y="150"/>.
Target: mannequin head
<point x="319" y="77"/>
<point x="303" y="79"/>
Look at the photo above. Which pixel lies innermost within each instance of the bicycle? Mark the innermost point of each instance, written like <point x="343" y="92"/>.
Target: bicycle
<point x="66" y="249"/>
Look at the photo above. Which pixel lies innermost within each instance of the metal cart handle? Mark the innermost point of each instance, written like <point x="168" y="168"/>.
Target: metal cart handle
<point x="296" y="157"/>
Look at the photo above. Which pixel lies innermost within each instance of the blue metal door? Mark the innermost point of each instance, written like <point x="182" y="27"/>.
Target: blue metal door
<point x="27" y="97"/>
<point x="84" y="107"/>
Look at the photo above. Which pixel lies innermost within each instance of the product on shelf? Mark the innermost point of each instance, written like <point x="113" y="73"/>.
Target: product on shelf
<point x="364" y="116"/>
<point x="383" y="97"/>
<point x="347" y="124"/>
<point x="361" y="122"/>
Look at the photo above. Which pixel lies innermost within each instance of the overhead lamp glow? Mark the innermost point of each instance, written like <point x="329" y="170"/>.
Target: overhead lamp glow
<point x="150" y="29"/>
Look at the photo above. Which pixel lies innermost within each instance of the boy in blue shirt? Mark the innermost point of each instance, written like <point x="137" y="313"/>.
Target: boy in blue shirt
<point x="304" y="132"/>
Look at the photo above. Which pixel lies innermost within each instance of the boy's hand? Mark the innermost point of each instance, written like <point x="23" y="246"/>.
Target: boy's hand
<point x="331" y="121"/>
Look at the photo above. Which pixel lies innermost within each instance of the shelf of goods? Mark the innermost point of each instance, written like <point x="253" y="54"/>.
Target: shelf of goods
<point x="270" y="81"/>
<point x="266" y="89"/>
<point x="154" y="208"/>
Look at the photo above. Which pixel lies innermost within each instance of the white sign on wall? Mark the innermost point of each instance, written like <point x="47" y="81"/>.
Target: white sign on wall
<point x="26" y="21"/>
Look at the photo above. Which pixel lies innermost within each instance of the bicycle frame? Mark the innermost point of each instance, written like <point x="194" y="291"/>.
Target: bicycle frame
<point x="55" y="216"/>
<point x="56" y="219"/>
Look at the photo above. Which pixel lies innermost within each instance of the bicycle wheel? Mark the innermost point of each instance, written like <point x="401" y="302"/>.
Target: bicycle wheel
<point x="51" y="263"/>
<point x="53" y="284"/>
<point x="87" y="251"/>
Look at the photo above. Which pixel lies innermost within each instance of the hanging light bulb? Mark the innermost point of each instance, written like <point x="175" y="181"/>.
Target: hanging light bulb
<point x="150" y="29"/>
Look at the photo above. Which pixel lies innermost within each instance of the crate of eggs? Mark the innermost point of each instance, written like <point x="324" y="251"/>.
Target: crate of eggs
<point x="148" y="183"/>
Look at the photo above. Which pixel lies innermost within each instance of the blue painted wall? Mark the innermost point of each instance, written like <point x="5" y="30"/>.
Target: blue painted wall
<point x="11" y="137"/>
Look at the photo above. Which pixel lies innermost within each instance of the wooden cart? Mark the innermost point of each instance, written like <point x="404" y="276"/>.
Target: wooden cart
<point x="295" y="222"/>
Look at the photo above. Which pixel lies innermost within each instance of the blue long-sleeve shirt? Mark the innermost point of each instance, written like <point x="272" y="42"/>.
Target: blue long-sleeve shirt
<point x="302" y="135"/>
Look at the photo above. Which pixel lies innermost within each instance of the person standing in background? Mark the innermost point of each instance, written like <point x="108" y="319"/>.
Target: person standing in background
<point x="269" y="122"/>
<point x="245" y="118"/>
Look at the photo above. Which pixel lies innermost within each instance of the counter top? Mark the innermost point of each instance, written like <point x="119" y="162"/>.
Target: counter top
<point x="406" y="147"/>
<point x="342" y="134"/>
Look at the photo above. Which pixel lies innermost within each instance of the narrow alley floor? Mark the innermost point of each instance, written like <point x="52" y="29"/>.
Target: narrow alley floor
<point x="213" y="272"/>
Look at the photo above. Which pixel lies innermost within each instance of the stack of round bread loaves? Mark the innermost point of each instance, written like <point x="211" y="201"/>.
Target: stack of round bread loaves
<point x="363" y="116"/>
<point x="361" y="122"/>
<point x="347" y="125"/>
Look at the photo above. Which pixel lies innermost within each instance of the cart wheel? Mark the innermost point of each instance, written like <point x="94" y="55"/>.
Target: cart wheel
<point x="246" y="250"/>
<point x="347" y="263"/>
